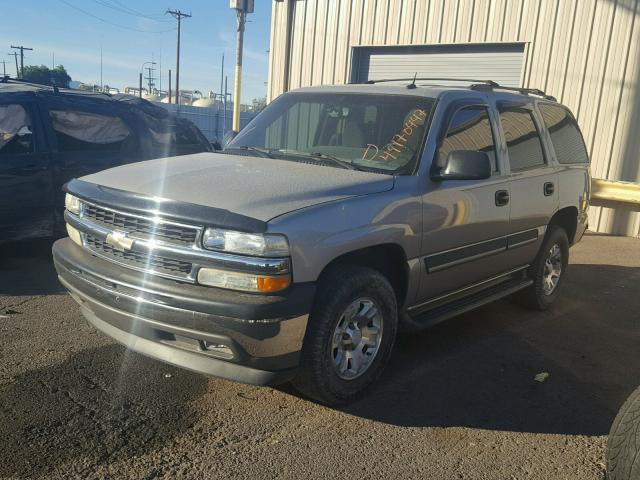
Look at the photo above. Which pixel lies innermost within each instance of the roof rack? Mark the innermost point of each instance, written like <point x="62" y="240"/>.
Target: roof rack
<point x="431" y="79"/>
<point x="524" y="91"/>
<point x="51" y="88"/>
<point x="480" y="85"/>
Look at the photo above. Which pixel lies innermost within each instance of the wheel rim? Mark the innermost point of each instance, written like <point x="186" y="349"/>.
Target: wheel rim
<point x="356" y="338"/>
<point x="552" y="270"/>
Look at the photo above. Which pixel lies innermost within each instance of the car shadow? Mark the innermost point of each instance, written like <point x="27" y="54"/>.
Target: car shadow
<point x="99" y="404"/>
<point x="478" y="370"/>
<point x="27" y="269"/>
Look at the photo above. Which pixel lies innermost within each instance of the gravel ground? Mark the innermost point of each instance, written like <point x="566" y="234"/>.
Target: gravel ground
<point x="458" y="401"/>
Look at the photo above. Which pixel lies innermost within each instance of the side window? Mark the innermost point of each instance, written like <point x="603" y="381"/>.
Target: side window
<point x="523" y="140"/>
<point x="469" y="129"/>
<point x="16" y="135"/>
<point x="81" y="131"/>
<point x="565" y="135"/>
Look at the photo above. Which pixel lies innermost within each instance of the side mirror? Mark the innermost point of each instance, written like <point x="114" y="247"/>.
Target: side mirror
<point x="465" y="165"/>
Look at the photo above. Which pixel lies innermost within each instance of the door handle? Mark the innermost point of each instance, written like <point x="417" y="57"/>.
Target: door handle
<point x="502" y="198"/>
<point x="549" y="188"/>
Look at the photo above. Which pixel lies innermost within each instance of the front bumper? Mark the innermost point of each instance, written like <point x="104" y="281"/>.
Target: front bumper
<point x="244" y="337"/>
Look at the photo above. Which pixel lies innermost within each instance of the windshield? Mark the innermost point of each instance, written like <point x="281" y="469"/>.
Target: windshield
<point x="381" y="133"/>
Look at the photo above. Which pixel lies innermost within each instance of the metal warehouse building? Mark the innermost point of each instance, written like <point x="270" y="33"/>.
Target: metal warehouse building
<point x="584" y="52"/>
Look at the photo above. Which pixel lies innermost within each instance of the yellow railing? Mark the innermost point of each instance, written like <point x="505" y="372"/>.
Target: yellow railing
<point x="605" y="192"/>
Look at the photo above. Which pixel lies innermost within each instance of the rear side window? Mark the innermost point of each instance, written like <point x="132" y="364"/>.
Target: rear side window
<point x="523" y="140"/>
<point x="565" y="135"/>
<point x="16" y="135"/>
<point x="81" y="131"/>
<point x="469" y="129"/>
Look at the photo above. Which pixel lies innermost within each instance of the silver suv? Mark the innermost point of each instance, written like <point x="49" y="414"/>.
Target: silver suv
<point x="338" y="216"/>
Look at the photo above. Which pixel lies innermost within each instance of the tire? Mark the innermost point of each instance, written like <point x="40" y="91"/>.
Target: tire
<point x="538" y="296"/>
<point x="623" y="446"/>
<point x="343" y="290"/>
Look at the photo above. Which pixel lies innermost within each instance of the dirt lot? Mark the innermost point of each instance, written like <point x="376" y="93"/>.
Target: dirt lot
<point x="458" y="401"/>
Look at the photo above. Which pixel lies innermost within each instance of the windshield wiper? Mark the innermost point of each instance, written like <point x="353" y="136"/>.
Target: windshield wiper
<point x="336" y="160"/>
<point x="264" y="152"/>
<point x="321" y="157"/>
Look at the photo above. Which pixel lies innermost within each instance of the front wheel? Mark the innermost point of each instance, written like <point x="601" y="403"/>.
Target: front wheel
<point x="351" y="333"/>
<point x="623" y="447"/>
<point x="547" y="271"/>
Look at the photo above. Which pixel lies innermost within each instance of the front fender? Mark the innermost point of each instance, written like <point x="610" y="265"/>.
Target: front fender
<point x="319" y="234"/>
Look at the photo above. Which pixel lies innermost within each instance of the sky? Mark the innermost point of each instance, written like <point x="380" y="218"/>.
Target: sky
<point x="132" y="32"/>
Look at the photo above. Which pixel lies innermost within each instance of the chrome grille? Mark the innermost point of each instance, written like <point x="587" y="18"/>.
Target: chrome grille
<point x="140" y="261"/>
<point x="140" y="227"/>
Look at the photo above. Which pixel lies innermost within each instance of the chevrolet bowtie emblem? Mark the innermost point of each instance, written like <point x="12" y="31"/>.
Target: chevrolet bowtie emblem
<point x="120" y="241"/>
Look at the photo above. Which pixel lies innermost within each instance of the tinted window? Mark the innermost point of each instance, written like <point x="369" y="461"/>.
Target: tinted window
<point x="469" y="129"/>
<point x="565" y="134"/>
<point x="76" y="130"/>
<point x="377" y="132"/>
<point x="16" y="135"/>
<point x="523" y="140"/>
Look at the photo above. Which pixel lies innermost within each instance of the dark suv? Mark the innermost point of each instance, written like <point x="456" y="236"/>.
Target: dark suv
<point x="48" y="137"/>
<point x="337" y="216"/>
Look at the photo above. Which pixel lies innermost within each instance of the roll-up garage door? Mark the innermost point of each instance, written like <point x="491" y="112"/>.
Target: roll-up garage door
<point x="500" y="62"/>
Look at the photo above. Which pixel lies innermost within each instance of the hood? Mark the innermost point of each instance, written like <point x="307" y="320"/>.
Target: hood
<point x="262" y="188"/>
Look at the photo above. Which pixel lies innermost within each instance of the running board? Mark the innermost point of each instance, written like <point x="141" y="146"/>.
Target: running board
<point x="458" y="307"/>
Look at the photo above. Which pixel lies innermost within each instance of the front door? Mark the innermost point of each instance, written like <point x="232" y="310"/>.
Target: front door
<point x="26" y="192"/>
<point x="465" y="222"/>
<point x="87" y="136"/>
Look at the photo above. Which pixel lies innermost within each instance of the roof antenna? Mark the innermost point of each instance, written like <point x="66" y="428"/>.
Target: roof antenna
<point x="412" y="85"/>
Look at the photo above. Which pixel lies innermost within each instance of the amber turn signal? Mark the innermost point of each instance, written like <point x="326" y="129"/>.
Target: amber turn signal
<point x="273" y="284"/>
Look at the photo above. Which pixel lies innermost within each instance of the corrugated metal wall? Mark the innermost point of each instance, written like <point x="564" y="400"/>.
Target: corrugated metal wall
<point x="584" y="52"/>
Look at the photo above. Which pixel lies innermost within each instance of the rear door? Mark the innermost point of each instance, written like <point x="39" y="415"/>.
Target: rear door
<point x="26" y="195"/>
<point x="533" y="178"/>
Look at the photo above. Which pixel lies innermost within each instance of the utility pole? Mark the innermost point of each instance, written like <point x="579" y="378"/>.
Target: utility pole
<point x="222" y="80"/>
<point x="101" y="86"/>
<point x="224" y="127"/>
<point x="15" y="56"/>
<point x="242" y="7"/>
<point x="177" y="14"/>
<point x="4" y="68"/>
<point x="169" y="85"/>
<point x="22" y="49"/>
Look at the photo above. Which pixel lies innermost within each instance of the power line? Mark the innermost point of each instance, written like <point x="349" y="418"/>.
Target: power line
<point x="112" y="23"/>
<point x="128" y="11"/>
<point x="135" y="11"/>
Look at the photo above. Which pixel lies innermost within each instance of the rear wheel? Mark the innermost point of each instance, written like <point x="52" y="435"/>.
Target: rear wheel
<point x="547" y="271"/>
<point x="351" y="332"/>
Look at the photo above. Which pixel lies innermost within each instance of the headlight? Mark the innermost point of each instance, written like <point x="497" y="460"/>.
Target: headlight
<point x="72" y="203"/>
<point x="247" y="282"/>
<point x="261" y="245"/>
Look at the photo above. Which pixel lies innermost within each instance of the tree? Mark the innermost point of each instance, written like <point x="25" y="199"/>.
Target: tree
<point x="44" y="75"/>
<point x="259" y="104"/>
